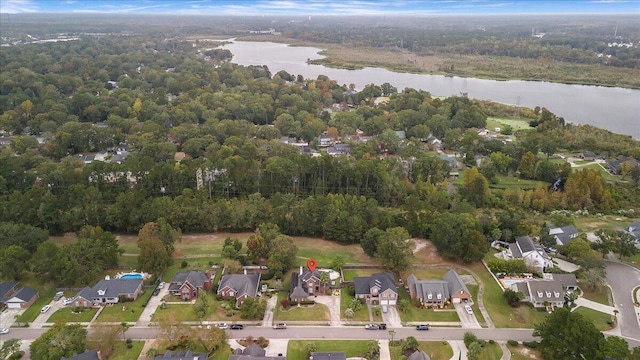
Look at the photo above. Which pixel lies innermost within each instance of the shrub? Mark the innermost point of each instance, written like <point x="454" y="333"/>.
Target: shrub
<point x="262" y="342"/>
<point x="351" y="290"/>
<point x="267" y="276"/>
<point x="530" y="344"/>
<point x="469" y="338"/>
<point x="15" y="356"/>
<point x="184" y="264"/>
<point x="512" y="342"/>
<point x="491" y="342"/>
<point x="285" y="303"/>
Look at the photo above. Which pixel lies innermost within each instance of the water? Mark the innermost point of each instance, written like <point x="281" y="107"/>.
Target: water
<point x="614" y="109"/>
<point x="131" y="277"/>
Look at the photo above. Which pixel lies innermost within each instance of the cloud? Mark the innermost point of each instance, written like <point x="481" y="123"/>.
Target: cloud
<point x="17" y="6"/>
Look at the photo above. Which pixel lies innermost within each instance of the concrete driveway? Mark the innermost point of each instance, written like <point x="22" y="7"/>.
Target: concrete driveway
<point x="467" y="321"/>
<point x="152" y="306"/>
<point x="267" y="321"/>
<point x="392" y="317"/>
<point x="8" y="317"/>
<point x="42" y="318"/>
<point x="622" y="279"/>
<point x="277" y="346"/>
<point x="565" y="265"/>
<point x="333" y="303"/>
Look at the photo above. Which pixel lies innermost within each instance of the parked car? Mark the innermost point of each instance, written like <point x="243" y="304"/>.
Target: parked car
<point x="422" y="327"/>
<point x="385" y="308"/>
<point x="45" y="309"/>
<point x="236" y="327"/>
<point x="161" y="285"/>
<point x="4" y="331"/>
<point x="371" y="327"/>
<point x="280" y="326"/>
<point x="156" y="292"/>
<point x="58" y="296"/>
<point x="223" y="326"/>
<point x="468" y="309"/>
<point x="382" y="326"/>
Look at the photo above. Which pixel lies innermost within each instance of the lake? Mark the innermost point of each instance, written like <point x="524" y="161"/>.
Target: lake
<point x="614" y="109"/>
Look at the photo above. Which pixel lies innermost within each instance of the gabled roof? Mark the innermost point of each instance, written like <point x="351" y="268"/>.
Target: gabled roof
<point x="23" y="295"/>
<point x="182" y="355"/>
<point x="565" y="279"/>
<point x="544" y="290"/>
<point x="297" y="287"/>
<point x="87" y="355"/>
<point x="5" y="287"/>
<point x="333" y="355"/>
<point x="634" y="229"/>
<point x="254" y="350"/>
<point x="419" y="355"/>
<point x="564" y="233"/>
<point x="455" y="282"/>
<point x="193" y="277"/>
<point x="111" y="288"/>
<point x="515" y="250"/>
<point x="384" y="281"/>
<point x="241" y="283"/>
<point x="525" y="244"/>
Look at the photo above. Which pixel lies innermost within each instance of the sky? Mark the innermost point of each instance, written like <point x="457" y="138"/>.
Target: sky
<point x="323" y="7"/>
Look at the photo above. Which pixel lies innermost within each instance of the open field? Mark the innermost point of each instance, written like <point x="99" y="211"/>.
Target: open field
<point x="325" y="251"/>
<point x="512" y="182"/>
<point x="66" y="315"/>
<point x="516" y="124"/>
<point x="594" y="223"/>
<point x="437" y="350"/>
<point x="296" y="350"/>
<point x="599" y="319"/>
<point x="350" y="274"/>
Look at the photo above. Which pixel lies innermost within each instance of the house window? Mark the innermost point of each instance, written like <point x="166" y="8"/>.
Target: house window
<point x="539" y="293"/>
<point x="231" y="293"/>
<point x="439" y="296"/>
<point x="548" y="293"/>
<point x="430" y="296"/>
<point x="556" y="294"/>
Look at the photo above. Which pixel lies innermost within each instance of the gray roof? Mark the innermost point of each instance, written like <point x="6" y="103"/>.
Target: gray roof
<point x="424" y="288"/>
<point x="566" y="279"/>
<point x="299" y="283"/>
<point x="87" y="355"/>
<point x="634" y="229"/>
<point x="419" y="355"/>
<point x="521" y="287"/>
<point x="5" y="287"/>
<point x="455" y="282"/>
<point x="515" y="250"/>
<point x="182" y="355"/>
<point x="564" y="233"/>
<point x="24" y="294"/>
<point x="363" y="284"/>
<point x="543" y="290"/>
<point x="525" y="244"/>
<point x="334" y="355"/>
<point x="194" y="277"/>
<point x="241" y="283"/>
<point x="112" y="288"/>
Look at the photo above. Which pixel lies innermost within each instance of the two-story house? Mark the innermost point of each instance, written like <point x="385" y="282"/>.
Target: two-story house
<point x="305" y="283"/>
<point x="239" y="286"/>
<point x="533" y="256"/>
<point x="437" y="292"/>
<point x="186" y="284"/>
<point x="378" y="288"/>
<point x="563" y="234"/>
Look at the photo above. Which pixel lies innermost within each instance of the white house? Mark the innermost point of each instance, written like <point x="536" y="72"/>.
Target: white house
<point x="563" y="234"/>
<point x="534" y="256"/>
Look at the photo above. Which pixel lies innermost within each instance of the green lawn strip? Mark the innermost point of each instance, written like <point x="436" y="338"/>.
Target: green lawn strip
<point x="296" y="350"/>
<point x="600" y="295"/>
<point x="502" y="315"/>
<point x="316" y="312"/>
<point x="476" y="309"/>
<point x="122" y="353"/>
<point x="512" y="182"/>
<point x="66" y="315"/>
<point x="114" y="313"/>
<point x="222" y="353"/>
<point x="599" y="319"/>
<point x="202" y="264"/>
<point x="517" y="353"/>
<point x="491" y="352"/>
<point x="361" y="315"/>
<point x="324" y="256"/>
<point x="34" y="310"/>
<point x="185" y="312"/>
<point x="413" y="313"/>
<point x="350" y="274"/>
<point x="427" y="274"/>
<point x="516" y="124"/>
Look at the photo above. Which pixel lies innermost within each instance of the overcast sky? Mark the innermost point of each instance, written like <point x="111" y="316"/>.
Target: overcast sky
<point x="323" y="7"/>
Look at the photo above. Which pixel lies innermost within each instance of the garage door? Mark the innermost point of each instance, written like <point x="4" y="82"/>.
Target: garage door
<point x="384" y="302"/>
<point x="13" y="305"/>
<point x="456" y="300"/>
<point x="392" y="302"/>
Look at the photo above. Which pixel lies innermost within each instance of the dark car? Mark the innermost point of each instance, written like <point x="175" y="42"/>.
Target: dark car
<point x="156" y="292"/>
<point x="422" y="327"/>
<point x="236" y="327"/>
<point x="382" y="326"/>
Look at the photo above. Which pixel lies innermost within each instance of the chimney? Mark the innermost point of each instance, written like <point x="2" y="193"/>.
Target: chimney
<point x="100" y="355"/>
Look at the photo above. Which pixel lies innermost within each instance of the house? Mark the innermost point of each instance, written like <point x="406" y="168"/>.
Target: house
<point x="429" y="292"/>
<point x="453" y="163"/>
<point x="533" y="256"/>
<point x="325" y="140"/>
<point x="339" y="149"/>
<point x="16" y="297"/>
<point x="419" y="355"/>
<point x="305" y="283"/>
<point x="378" y="288"/>
<point x="615" y="168"/>
<point x="334" y="355"/>
<point x="563" y="234"/>
<point x="186" y="284"/>
<point x="109" y="291"/>
<point x="252" y="352"/>
<point x="457" y="288"/>
<point x="182" y="355"/>
<point x="634" y="229"/>
<point x="541" y="293"/>
<point x="568" y="281"/>
<point x="588" y="155"/>
<point x="239" y="286"/>
<point x="87" y="355"/>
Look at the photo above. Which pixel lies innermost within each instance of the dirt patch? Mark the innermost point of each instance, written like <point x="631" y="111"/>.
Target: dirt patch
<point x="428" y="255"/>
<point x="528" y="353"/>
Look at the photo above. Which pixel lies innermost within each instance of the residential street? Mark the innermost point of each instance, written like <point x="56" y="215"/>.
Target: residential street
<point x="622" y="279"/>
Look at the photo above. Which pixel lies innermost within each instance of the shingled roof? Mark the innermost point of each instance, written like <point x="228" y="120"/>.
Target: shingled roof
<point x="241" y="283"/>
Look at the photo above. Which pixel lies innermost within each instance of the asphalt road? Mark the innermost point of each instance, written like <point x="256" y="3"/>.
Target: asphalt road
<point x="622" y="279"/>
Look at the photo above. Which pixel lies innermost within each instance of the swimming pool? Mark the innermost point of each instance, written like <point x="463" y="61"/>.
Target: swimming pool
<point x="131" y="276"/>
<point x="510" y="282"/>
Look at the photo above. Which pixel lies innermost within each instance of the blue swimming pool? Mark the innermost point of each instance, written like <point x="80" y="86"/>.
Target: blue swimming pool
<point x="511" y="282"/>
<point x="131" y="276"/>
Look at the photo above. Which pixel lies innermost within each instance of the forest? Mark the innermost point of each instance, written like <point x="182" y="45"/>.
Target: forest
<point x="155" y="97"/>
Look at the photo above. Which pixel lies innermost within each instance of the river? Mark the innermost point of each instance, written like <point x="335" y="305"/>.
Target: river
<point x="611" y="108"/>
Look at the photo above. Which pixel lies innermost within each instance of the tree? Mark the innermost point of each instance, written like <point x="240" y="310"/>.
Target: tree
<point x="527" y="166"/>
<point x="410" y="343"/>
<point x="355" y="304"/>
<point x="568" y="335"/>
<point x="474" y="350"/>
<point x="615" y="347"/>
<point x="593" y="278"/>
<point x="338" y="263"/>
<point x="282" y="255"/>
<point x="512" y="297"/>
<point x="403" y="304"/>
<point x="61" y="340"/>
<point x="201" y="307"/>
<point x="153" y="257"/>
<point x="104" y="338"/>
<point x="253" y="308"/>
<point x="469" y="338"/>
<point x="14" y="262"/>
<point x="210" y="338"/>
<point x="459" y="236"/>
<point x="475" y="188"/>
<point x="619" y="242"/>
<point x="309" y="348"/>
<point x="392" y="333"/>
<point x="373" y="349"/>
<point x="9" y="347"/>
<point x="394" y="249"/>
<point x="369" y="241"/>
<point x="124" y="326"/>
<point x="349" y="313"/>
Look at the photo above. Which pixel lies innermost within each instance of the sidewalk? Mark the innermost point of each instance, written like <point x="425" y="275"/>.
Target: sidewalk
<point x="594" y="305"/>
<point x="459" y="350"/>
<point x="385" y="354"/>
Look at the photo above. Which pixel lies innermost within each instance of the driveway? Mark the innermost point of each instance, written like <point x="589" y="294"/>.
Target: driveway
<point x="42" y="318"/>
<point x="392" y="317"/>
<point x="622" y="279"/>
<point x="333" y="303"/>
<point x="467" y="321"/>
<point x="8" y="317"/>
<point x="152" y="306"/>
<point x="268" y="312"/>
<point x="276" y="347"/>
<point x="565" y="265"/>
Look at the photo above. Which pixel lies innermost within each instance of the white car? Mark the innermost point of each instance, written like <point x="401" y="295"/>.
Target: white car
<point x="4" y="331"/>
<point x="468" y="309"/>
<point x="67" y="301"/>
<point x="223" y="326"/>
<point x="161" y="285"/>
<point x="45" y="309"/>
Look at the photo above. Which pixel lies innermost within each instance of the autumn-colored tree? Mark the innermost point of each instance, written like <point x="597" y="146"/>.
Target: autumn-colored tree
<point x="586" y="189"/>
<point x="527" y="166"/>
<point x="476" y="187"/>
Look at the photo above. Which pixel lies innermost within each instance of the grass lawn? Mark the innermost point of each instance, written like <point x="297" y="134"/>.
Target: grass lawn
<point x="114" y="313"/>
<point x="222" y="354"/>
<point x="516" y="124"/>
<point x="185" y="312"/>
<point x="317" y="312"/>
<point x="600" y="295"/>
<point x="34" y="310"/>
<point x="593" y="223"/>
<point x="437" y="350"/>
<point x="350" y="274"/>
<point x="428" y="274"/>
<point x="201" y="263"/>
<point x="414" y="313"/>
<point x="512" y="182"/>
<point x="491" y="352"/>
<point x="66" y="315"/>
<point x="634" y="260"/>
<point x="325" y="251"/>
<point x="503" y="315"/>
<point x="522" y="352"/>
<point x="122" y="353"/>
<point x="361" y="315"/>
<point x="474" y="295"/>
<point x="296" y="350"/>
<point x="599" y="319"/>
